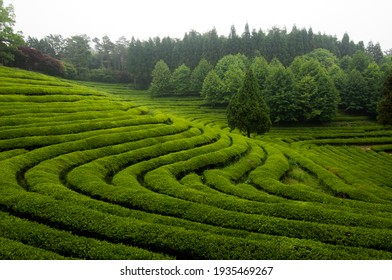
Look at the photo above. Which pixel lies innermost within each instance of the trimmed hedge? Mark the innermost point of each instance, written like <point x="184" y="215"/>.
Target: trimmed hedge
<point x="14" y="250"/>
<point x="67" y="244"/>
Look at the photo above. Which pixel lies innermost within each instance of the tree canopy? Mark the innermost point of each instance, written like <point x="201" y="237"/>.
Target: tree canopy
<point x="161" y="76"/>
<point x="9" y="40"/>
<point x="385" y="106"/>
<point x="304" y="76"/>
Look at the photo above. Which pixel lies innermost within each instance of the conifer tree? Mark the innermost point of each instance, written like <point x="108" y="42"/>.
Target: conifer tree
<point x="247" y="109"/>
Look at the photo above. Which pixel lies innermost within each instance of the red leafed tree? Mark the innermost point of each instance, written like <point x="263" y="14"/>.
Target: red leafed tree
<point x="34" y="60"/>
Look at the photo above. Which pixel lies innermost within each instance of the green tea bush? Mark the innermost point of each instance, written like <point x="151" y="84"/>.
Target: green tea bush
<point x="66" y="244"/>
<point x="95" y="171"/>
<point x="14" y="250"/>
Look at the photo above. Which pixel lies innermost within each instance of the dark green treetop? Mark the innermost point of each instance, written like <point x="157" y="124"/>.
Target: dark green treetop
<point x="385" y="106"/>
<point x="247" y="109"/>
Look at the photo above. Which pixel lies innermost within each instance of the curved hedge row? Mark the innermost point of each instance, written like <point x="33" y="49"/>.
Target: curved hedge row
<point x="87" y="174"/>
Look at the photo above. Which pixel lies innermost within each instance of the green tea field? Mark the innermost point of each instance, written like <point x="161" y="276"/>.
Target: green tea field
<point x="99" y="171"/>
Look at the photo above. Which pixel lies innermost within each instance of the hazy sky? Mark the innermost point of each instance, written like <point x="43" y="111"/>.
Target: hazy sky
<point x="362" y="19"/>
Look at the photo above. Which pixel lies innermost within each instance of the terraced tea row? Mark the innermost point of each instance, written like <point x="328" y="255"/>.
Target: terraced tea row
<point x="112" y="174"/>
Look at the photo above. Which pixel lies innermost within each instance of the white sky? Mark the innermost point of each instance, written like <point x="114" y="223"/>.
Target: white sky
<point x="362" y="19"/>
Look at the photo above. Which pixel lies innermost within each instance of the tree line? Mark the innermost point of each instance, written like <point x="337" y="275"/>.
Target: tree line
<point x="311" y="88"/>
<point x="303" y="76"/>
<point x="132" y="61"/>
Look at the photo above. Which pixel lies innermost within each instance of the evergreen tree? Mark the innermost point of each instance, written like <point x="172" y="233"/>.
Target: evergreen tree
<point x="247" y="110"/>
<point x="344" y="46"/>
<point x="191" y="48"/>
<point x="212" y="46"/>
<point x="246" y="40"/>
<point x="276" y="45"/>
<point x="233" y="44"/>
<point x="385" y="106"/>
<point x="161" y="75"/>
<point x="375" y="52"/>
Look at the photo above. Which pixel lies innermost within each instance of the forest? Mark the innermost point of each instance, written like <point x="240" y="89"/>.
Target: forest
<point x="133" y="60"/>
<point x="287" y="64"/>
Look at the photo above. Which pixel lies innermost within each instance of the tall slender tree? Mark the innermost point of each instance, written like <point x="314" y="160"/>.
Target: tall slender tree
<point x="247" y="109"/>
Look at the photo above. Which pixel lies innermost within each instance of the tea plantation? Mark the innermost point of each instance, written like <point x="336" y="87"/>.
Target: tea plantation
<point x="96" y="171"/>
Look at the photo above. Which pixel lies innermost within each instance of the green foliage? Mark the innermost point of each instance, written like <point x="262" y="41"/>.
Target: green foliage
<point x="385" y="105"/>
<point x="180" y="80"/>
<point x="77" y="51"/>
<point x="374" y="80"/>
<point x="233" y="79"/>
<point x="239" y="61"/>
<point x="247" y="109"/>
<point x="214" y="90"/>
<point x="360" y="61"/>
<point x="305" y="92"/>
<point x="161" y="75"/>
<point x="88" y="171"/>
<point x="354" y="93"/>
<point x="9" y="40"/>
<point x="199" y="74"/>
<point x="280" y="96"/>
<point x="324" y="97"/>
<point x="260" y="69"/>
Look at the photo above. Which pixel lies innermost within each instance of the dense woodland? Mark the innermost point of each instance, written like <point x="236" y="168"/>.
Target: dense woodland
<point x="303" y="76"/>
<point x="133" y="60"/>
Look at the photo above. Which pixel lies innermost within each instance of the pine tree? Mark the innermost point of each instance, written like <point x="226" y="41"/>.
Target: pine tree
<point x="247" y="109"/>
<point x="385" y="106"/>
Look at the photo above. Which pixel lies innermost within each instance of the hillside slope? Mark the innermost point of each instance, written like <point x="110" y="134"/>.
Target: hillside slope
<point x="106" y="173"/>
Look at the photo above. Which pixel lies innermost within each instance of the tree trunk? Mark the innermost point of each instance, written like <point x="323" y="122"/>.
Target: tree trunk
<point x="248" y="133"/>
